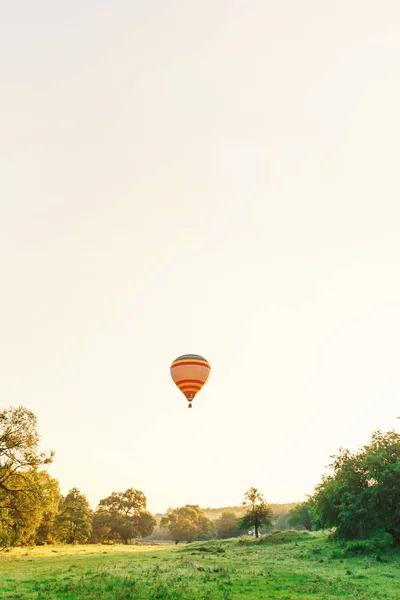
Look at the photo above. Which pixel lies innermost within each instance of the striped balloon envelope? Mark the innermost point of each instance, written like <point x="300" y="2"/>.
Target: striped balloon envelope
<point x="190" y="372"/>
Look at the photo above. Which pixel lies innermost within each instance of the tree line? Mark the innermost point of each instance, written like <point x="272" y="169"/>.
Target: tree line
<point x="359" y="498"/>
<point x="33" y="511"/>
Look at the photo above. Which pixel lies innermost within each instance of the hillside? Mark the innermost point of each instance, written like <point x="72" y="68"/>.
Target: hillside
<point x="281" y="512"/>
<point x="214" y="513"/>
<point x="278" y="509"/>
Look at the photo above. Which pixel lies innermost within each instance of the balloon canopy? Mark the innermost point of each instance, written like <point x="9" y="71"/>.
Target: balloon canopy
<point x="190" y="372"/>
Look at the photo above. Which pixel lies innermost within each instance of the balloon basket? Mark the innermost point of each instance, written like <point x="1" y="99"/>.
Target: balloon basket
<point x="190" y="405"/>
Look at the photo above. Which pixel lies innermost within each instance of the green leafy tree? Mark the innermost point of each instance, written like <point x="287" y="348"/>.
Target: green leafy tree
<point x="361" y="497"/>
<point x="186" y="523"/>
<point x="48" y="499"/>
<point x="73" y="523"/>
<point x="301" y="516"/>
<point x="258" y="512"/>
<point x="19" y="441"/>
<point x="227" y="525"/>
<point x="122" y="529"/>
<point x="124" y="504"/>
<point x="122" y="516"/>
<point x="22" y="485"/>
<point x="144" y="523"/>
<point x="23" y="514"/>
<point x="19" y="453"/>
<point x="101" y="528"/>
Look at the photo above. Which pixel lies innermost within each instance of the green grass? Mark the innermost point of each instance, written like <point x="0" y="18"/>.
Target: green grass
<point x="283" y="565"/>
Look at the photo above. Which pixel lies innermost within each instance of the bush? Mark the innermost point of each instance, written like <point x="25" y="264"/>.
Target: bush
<point x="285" y="537"/>
<point x="370" y="546"/>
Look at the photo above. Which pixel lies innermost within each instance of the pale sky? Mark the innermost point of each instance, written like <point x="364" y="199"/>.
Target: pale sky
<point x="220" y="178"/>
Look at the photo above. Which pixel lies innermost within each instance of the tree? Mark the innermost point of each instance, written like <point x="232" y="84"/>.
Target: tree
<point x="24" y="514"/>
<point x="258" y="511"/>
<point x="301" y="516"/>
<point x="22" y="486"/>
<point x="73" y="523"/>
<point x="45" y="533"/>
<point x="19" y="441"/>
<point x="101" y="528"/>
<point x="144" y="523"/>
<point x="124" y="504"/>
<point x="48" y="499"/>
<point x="186" y="523"/>
<point x="227" y="525"/>
<point x="361" y="497"/>
<point x="122" y="516"/>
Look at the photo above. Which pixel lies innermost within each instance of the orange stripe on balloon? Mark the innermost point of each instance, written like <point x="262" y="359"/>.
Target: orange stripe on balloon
<point x="190" y="362"/>
<point x="189" y="387"/>
<point x="201" y="381"/>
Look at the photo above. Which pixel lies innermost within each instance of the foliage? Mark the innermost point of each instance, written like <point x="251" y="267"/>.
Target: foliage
<point x="187" y="523"/>
<point x="19" y="441"/>
<point x="374" y="545"/>
<point x="279" y="510"/>
<point x="301" y="516"/>
<point x="101" y="528"/>
<point x="122" y="516"/>
<point x="144" y="523"/>
<point x="26" y="494"/>
<point x="227" y="525"/>
<point x="73" y="524"/>
<point x="361" y="498"/>
<point x="258" y="512"/>
<point x="26" y="510"/>
<point x="124" y="504"/>
<point x="280" y="518"/>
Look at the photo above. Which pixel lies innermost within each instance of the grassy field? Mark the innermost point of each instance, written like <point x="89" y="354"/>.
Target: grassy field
<point x="284" y="565"/>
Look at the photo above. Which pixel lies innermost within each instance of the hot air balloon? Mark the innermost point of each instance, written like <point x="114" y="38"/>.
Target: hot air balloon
<point x="190" y="372"/>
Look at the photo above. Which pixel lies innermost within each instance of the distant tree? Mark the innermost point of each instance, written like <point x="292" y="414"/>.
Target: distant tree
<point x="361" y="497"/>
<point x="280" y="523"/>
<point x="258" y="512"/>
<point x="301" y="516"/>
<point x="124" y="504"/>
<point x="122" y="516"/>
<point x="186" y="523"/>
<point x="46" y="532"/>
<point x="73" y="523"/>
<point x="144" y="523"/>
<point x="122" y="530"/>
<point x="227" y="525"/>
<point x="101" y="528"/>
